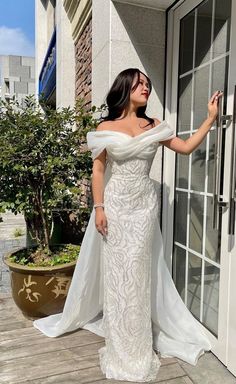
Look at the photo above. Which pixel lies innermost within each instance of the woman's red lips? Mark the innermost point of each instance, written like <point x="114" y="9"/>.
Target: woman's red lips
<point x="146" y="94"/>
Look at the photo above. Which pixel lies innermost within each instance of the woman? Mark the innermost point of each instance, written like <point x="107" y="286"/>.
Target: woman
<point x="121" y="288"/>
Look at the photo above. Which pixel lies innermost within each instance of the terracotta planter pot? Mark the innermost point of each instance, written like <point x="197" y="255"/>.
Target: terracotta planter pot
<point x="39" y="291"/>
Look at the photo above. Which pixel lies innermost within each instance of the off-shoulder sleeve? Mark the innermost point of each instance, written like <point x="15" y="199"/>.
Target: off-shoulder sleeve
<point x="168" y="132"/>
<point x="97" y="141"/>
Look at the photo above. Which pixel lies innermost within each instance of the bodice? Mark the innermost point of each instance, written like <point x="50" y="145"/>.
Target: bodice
<point x="130" y="168"/>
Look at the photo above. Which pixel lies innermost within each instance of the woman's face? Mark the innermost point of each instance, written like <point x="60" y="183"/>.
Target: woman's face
<point x="140" y="95"/>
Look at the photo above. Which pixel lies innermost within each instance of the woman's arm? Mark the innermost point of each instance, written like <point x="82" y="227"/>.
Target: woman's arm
<point x="99" y="165"/>
<point x="98" y="171"/>
<point x="187" y="146"/>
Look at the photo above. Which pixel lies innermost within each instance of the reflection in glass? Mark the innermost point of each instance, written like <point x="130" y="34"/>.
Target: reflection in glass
<point x="184" y="98"/>
<point x="200" y="96"/>
<point x="182" y="165"/>
<point x="194" y="284"/>
<point x="180" y="215"/>
<point x="213" y="236"/>
<point x="221" y="27"/>
<point x="203" y="38"/>
<point x="196" y="222"/>
<point x="211" y="160"/>
<point x="211" y="297"/>
<point x="198" y="167"/>
<point x="179" y="266"/>
<point x="186" y="43"/>
<point x="220" y="77"/>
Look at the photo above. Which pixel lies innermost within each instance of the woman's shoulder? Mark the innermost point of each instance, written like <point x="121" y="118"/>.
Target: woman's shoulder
<point x="103" y="125"/>
<point x="156" y="121"/>
<point x="109" y="125"/>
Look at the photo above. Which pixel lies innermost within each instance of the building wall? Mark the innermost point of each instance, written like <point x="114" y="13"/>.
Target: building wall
<point x="80" y="15"/>
<point x="17" y="76"/>
<point x="83" y="65"/>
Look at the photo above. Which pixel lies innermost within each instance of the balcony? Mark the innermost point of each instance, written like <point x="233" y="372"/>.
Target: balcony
<point x="47" y="77"/>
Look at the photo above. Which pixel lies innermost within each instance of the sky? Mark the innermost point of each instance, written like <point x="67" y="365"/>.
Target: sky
<point x="17" y="27"/>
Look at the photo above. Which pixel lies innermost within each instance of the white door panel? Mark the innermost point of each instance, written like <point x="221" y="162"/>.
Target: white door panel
<point x="200" y="60"/>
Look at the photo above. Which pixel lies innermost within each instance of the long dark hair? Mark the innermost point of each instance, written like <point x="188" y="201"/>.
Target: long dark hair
<point x="118" y="97"/>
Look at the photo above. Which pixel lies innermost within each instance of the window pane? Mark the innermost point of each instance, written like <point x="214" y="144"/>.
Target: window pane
<point x="203" y="38"/>
<point x="186" y="43"/>
<point x="211" y="297"/>
<point x="180" y="217"/>
<point x="213" y="236"/>
<point x="194" y="284"/>
<point x="182" y="165"/>
<point x="196" y="222"/>
<point x="198" y="167"/>
<point x="211" y="160"/>
<point x="221" y="34"/>
<point x="179" y="266"/>
<point x="220" y="77"/>
<point x="184" y="107"/>
<point x="200" y="96"/>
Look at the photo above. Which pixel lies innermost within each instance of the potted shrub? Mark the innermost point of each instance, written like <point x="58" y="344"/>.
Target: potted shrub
<point x="43" y="160"/>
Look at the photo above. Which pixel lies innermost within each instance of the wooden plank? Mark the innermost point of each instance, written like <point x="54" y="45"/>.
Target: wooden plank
<point x="95" y="375"/>
<point x="13" y="312"/>
<point x="6" y="302"/>
<point x="15" y="349"/>
<point x="11" y="324"/>
<point x="167" y="374"/>
<point x="47" y="364"/>
<point x="168" y="360"/>
<point x="89" y="375"/>
<point x="11" y="307"/>
<point x="5" y="296"/>
<point x="11" y="317"/>
<point x="80" y="336"/>
<point x="34" y="332"/>
<point x="170" y="371"/>
<point x="178" y="380"/>
<point x="17" y="333"/>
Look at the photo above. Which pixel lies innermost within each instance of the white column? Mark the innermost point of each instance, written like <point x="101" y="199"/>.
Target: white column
<point x="101" y="50"/>
<point x="41" y="43"/>
<point x="65" y="78"/>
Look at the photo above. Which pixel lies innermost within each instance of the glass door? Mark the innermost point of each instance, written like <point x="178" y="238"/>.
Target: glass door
<point x="198" y="206"/>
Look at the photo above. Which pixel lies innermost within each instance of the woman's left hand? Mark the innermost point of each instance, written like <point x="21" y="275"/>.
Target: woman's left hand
<point x="213" y="105"/>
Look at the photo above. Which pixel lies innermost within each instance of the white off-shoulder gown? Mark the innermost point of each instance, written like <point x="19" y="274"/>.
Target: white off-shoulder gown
<point x="122" y="288"/>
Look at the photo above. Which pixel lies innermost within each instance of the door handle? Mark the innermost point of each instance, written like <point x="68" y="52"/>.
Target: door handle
<point x="232" y="191"/>
<point x="217" y="200"/>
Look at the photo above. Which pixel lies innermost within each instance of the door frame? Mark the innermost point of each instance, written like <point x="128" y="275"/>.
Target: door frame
<point x="220" y="344"/>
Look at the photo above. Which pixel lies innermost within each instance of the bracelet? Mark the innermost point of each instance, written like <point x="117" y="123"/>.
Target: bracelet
<point x="98" y="205"/>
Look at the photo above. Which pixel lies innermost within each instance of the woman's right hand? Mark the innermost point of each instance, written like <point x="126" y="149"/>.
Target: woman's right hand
<point x="213" y="105"/>
<point x="101" y="221"/>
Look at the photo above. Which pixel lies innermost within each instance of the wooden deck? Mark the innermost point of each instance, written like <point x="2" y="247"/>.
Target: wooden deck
<point x="27" y="356"/>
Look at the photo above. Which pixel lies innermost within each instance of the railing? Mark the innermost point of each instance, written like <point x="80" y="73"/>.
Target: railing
<point x="47" y="77"/>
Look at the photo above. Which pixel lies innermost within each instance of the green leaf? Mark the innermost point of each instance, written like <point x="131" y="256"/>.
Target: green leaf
<point x="43" y="158"/>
